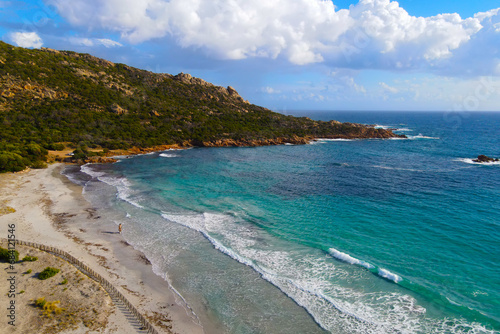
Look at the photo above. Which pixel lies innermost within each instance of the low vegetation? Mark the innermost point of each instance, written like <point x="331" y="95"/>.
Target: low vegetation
<point x="48" y="273"/>
<point x="49" y="308"/>
<point x="7" y="255"/>
<point x="50" y="97"/>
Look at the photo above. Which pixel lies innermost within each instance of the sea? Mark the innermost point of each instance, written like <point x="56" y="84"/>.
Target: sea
<point x="337" y="236"/>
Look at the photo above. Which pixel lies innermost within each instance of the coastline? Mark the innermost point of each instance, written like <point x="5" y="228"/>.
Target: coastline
<point x="51" y="210"/>
<point x="367" y="132"/>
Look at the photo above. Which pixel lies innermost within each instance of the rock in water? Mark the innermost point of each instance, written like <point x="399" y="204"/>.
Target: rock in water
<point x="483" y="158"/>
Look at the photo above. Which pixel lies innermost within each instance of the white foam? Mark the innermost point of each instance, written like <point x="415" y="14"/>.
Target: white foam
<point x="121" y="184"/>
<point x="307" y="280"/>
<point x="349" y="259"/>
<point x="472" y="162"/>
<point x="335" y="139"/>
<point x="168" y="155"/>
<point x="397" y="168"/>
<point x="74" y="180"/>
<point x="419" y="136"/>
<point x="391" y="127"/>
<point x="310" y="280"/>
<point x="326" y="140"/>
<point x="123" y="187"/>
<point x="197" y="222"/>
<point x="87" y="170"/>
<point x="388" y="275"/>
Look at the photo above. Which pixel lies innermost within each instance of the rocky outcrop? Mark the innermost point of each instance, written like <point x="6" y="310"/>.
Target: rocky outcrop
<point x="485" y="159"/>
<point x="233" y="93"/>
<point x="254" y="142"/>
<point x="189" y="79"/>
<point x="229" y="91"/>
<point x="159" y="148"/>
<point x="50" y="50"/>
<point x="118" y="110"/>
<point x="100" y="160"/>
<point x="12" y="87"/>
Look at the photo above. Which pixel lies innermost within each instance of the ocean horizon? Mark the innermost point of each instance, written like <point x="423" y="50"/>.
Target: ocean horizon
<point x="341" y="236"/>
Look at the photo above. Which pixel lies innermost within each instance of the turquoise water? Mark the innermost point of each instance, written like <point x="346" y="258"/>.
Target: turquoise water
<point x="361" y="236"/>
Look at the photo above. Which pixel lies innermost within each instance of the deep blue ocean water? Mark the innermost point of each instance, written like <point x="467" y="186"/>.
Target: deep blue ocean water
<point x="360" y="236"/>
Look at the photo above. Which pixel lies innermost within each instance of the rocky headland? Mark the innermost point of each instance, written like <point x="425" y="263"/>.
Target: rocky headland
<point x="52" y="100"/>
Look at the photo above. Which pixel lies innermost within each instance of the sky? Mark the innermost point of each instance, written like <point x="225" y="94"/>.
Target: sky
<point x="289" y="54"/>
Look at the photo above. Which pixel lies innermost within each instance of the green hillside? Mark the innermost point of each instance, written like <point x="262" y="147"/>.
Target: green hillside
<point x="49" y="97"/>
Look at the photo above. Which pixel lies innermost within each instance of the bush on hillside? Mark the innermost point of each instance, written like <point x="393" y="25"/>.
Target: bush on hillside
<point x="48" y="273"/>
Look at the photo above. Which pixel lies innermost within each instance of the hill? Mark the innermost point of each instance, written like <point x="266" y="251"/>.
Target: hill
<point x="50" y="97"/>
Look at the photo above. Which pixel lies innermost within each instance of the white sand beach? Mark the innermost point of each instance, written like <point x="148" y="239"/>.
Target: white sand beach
<point x="50" y="210"/>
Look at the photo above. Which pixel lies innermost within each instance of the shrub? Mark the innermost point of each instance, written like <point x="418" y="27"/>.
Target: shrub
<point x="56" y="147"/>
<point x="48" y="307"/>
<point x="8" y="255"/>
<point x="11" y="162"/>
<point x="64" y="281"/>
<point x="29" y="258"/>
<point x="47" y="273"/>
<point x="80" y="154"/>
<point x="39" y="164"/>
<point x="40" y="302"/>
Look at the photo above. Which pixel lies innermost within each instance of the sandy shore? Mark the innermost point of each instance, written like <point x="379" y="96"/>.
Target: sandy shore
<point x="49" y="209"/>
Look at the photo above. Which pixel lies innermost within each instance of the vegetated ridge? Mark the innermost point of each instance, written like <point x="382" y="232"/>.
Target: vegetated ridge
<point x="50" y="97"/>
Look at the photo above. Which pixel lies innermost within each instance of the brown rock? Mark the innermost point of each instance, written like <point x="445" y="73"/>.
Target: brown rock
<point x="483" y="158"/>
<point x="117" y="109"/>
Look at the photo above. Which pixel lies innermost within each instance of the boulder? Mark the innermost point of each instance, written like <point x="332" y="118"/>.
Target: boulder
<point x="483" y="158"/>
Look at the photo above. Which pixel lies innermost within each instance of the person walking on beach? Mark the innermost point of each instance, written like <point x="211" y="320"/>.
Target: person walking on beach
<point x="120" y="228"/>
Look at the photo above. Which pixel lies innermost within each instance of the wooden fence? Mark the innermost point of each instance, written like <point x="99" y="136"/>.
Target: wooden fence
<point x="96" y="277"/>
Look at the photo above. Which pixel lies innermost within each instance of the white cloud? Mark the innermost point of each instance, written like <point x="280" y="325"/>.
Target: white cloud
<point x="343" y="80"/>
<point x="26" y="39"/>
<point x="109" y="43"/>
<point x="82" y="41"/>
<point x="388" y="88"/>
<point x="371" y="34"/>
<point x="233" y="29"/>
<point x="270" y="90"/>
<point x="349" y="82"/>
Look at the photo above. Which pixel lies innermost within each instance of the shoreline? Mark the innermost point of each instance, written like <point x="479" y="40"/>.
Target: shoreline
<point x="65" y="219"/>
<point x="112" y="156"/>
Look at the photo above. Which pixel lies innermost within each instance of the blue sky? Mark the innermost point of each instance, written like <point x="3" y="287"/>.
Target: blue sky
<point x="289" y="54"/>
